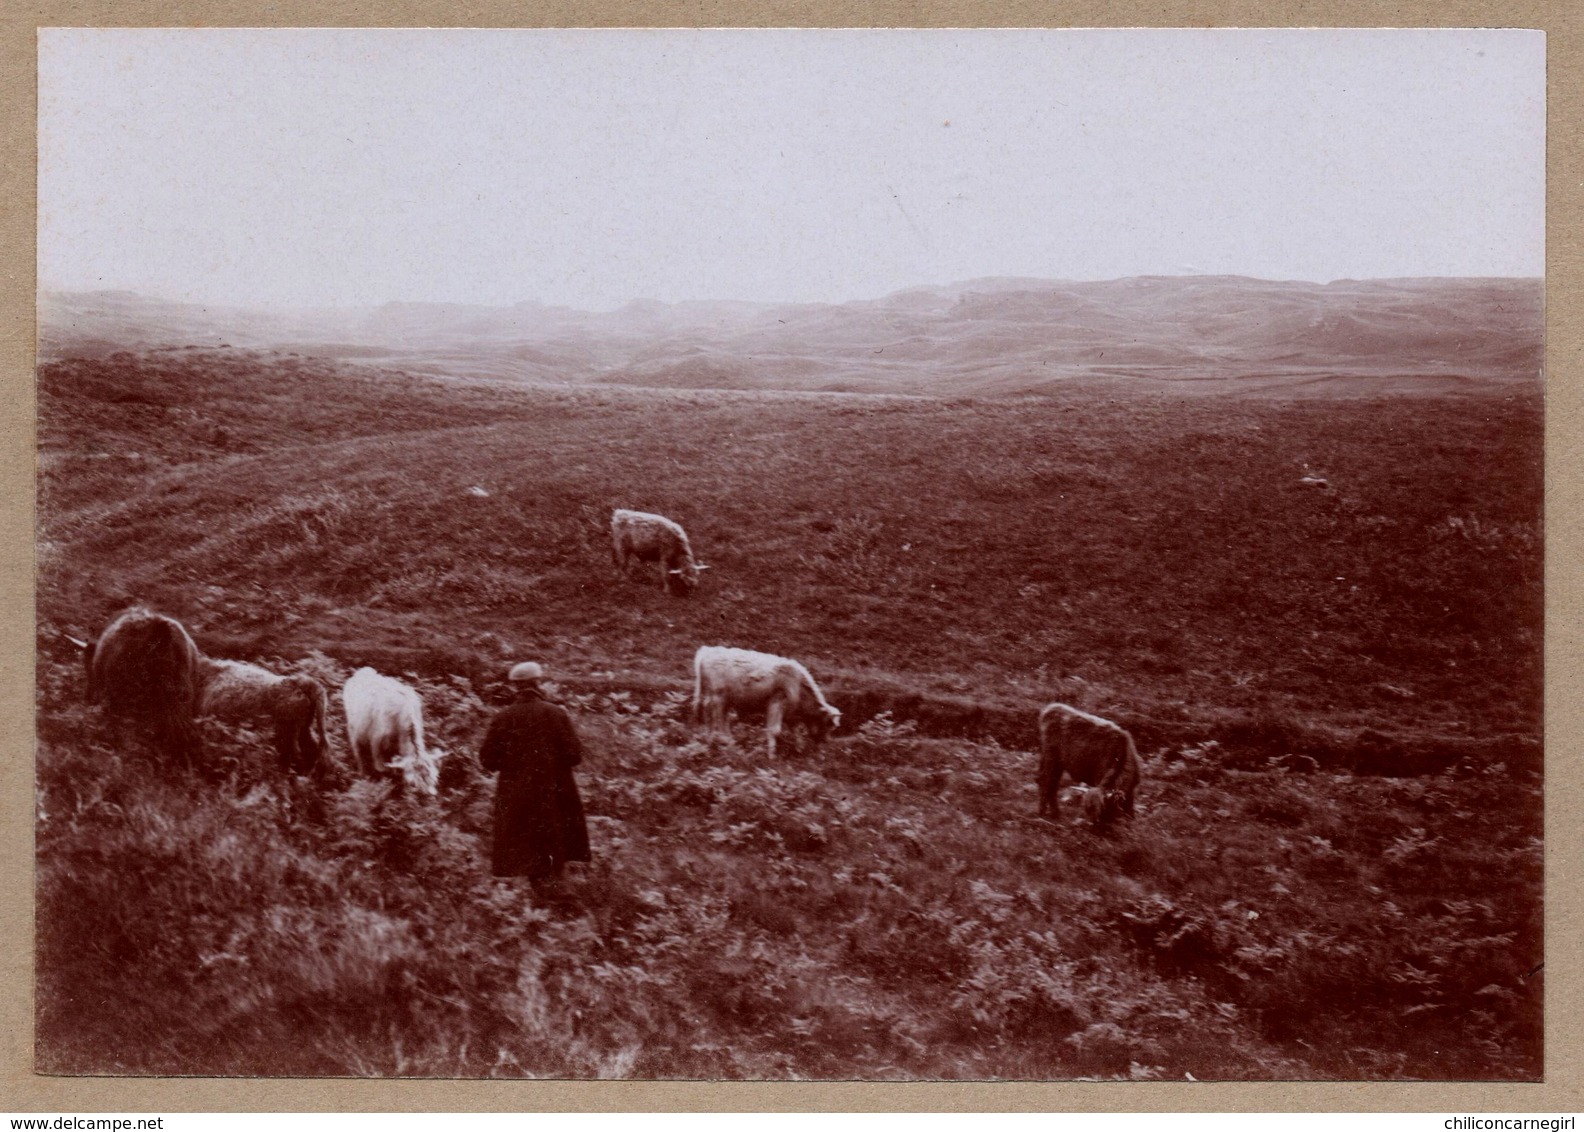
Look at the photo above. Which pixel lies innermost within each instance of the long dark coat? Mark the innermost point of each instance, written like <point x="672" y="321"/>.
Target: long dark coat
<point x="539" y="822"/>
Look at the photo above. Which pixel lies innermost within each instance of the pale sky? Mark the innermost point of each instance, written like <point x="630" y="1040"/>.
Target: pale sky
<point x="589" y="168"/>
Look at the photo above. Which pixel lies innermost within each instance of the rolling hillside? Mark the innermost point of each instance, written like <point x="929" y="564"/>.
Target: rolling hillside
<point x="986" y="337"/>
<point x="1321" y="617"/>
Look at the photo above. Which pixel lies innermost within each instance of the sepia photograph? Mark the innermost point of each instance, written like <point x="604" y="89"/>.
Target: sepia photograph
<point x="879" y="555"/>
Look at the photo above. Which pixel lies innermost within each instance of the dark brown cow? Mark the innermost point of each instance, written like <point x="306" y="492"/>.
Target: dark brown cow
<point x="638" y="535"/>
<point x="144" y="667"/>
<point x="1093" y="751"/>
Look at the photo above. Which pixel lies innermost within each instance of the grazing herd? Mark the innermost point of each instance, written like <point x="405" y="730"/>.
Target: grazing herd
<point x="145" y="667"/>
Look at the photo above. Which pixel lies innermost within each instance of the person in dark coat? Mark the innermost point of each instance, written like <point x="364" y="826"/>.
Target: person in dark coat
<point x="539" y="822"/>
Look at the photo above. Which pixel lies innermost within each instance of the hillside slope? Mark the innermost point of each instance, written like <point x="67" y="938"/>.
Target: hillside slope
<point x="957" y="546"/>
<point x="1322" y="619"/>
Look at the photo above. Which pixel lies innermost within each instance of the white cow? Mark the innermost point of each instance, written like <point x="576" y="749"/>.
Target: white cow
<point x="640" y="536"/>
<point x="744" y="681"/>
<point x="385" y="729"/>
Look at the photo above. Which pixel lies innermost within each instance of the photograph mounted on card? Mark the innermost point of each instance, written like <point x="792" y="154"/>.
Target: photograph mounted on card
<point x="866" y="555"/>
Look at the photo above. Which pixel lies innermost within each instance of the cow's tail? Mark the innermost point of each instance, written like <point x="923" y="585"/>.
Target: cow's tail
<point x="176" y="721"/>
<point x="182" y="708"/>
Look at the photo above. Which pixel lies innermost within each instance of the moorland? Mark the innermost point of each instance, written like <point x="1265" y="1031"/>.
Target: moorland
<point x="1313" y="595"/>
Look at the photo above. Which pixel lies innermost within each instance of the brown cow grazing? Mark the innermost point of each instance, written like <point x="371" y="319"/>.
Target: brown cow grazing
<point x="238" y="692"/>
<point x="385" y="730"/>
<point x="1093" y="751"/>
<point x="654" y="538"/>
<point x="745" y="681"/>
<point x="144" y="667"/>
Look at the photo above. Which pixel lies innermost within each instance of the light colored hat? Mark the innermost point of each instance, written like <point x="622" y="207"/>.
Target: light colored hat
<point x="528" y="672"/>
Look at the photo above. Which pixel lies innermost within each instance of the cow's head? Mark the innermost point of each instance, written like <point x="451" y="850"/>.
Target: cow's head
<point x="685" y="579"/>
<point x="1115" y="805"/>
<point x="824" y="721"/>
<point x="420" y="771"/>
<point x="1102" y="807"/>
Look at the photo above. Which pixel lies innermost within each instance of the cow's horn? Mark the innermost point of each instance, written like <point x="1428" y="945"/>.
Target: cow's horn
<point x="75" y="641"/>
<point x="700" y="566"/>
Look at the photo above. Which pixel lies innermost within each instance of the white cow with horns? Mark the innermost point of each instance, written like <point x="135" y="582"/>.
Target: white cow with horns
<point x="642" y="537"/>
<point x="752" y="682"/>
<point x="385" y="730"/>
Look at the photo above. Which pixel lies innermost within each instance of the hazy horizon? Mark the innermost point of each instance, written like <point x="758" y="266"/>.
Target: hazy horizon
<point x="311" y="168"/>
<point x="645" y="300"/>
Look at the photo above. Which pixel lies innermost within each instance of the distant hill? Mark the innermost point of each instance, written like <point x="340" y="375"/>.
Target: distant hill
<point x="981" y="337"/>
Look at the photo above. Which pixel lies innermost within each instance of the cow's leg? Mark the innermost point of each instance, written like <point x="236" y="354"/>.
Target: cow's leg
<point x="363" y="756"/>
<point x="309" y="747"/>
<point x="381" y="753"/>
<point x="773" y="722"/>
<point x="286" y="743"/>
<point x="715" y="710"/>
<point x="1049" y="783"/>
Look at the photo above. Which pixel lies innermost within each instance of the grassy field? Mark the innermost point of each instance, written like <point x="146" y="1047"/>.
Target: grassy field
<point x="1321" y="618"/>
